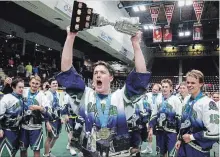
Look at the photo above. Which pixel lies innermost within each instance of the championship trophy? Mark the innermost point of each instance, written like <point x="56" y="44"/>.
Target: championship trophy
<point x="83" y="18"/>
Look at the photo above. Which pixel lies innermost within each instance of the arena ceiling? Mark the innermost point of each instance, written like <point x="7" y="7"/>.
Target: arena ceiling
<point x="34" y="23"/>
<point x="16" y="14"/>
<point x="185" y="16"/>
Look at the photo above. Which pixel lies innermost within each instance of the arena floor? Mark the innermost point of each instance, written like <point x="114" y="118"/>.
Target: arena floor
<point x="60" y="147"/>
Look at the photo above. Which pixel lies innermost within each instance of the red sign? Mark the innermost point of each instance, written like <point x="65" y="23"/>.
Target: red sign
<point x="168" y="9"/>
<point x="154" y="10"/>
<point x="198" y="8"/>
<point x="197" y="32"/>
<point x="167" y="34"/>
<point x="157" y="34"/>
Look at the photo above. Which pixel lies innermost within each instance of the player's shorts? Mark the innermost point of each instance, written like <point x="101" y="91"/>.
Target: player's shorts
<point x="56" y="129"/>
<point x="9" y="143"/>
<point x="33" y="138"/>
<point x="70" y="124"/>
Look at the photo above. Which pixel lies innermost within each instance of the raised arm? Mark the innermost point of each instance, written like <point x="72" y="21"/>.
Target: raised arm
<point x="139" y="60"/>
<point x="67" y="54"/>
<point x="69" y="78"/>
<point x="138" y="79"/>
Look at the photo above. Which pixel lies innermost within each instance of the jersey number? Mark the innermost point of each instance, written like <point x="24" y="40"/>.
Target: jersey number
<point x="214" y="119"/>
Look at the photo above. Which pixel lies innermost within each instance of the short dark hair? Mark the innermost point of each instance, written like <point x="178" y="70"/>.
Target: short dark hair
<point x="16" y="81"/>
<point x="51" y="80"/>
<point x="108" y="66"/>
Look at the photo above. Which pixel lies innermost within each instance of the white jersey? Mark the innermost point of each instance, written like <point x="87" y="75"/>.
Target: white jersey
<point x="68" y="104"/>
<point x="206" y="111"/>
<point x="204" y="121"/>
<point x="11" y="110"/>
<point x="89" y="106"/>
<point x="56" y="106"/>
<point x="39" y="99"/>
<point x="173" y="102"/>
<point x="171" y="112"/>
<point x="153" y="99"/>
<point x="181" y="98"/>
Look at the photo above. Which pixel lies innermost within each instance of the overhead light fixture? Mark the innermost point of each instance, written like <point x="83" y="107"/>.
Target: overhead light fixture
<point x="36" y="45"/>
<point x="142" y="8"/>
<point x="49" y="49"/>
<point x="181" y="34"/>
<point x="136" y="9"/>
<point x="187" y="33"/>
<point x="181" y="3"/>
<point x="145" y="27"/>
<point x="151" y="26"/>
<point x="189" y="2"/>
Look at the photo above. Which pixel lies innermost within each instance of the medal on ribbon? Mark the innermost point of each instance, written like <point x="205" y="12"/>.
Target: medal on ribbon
<point x="104" y="132"/>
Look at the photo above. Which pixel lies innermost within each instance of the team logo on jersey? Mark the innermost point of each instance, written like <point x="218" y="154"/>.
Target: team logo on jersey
<point x="186" y="124"/>
<point x="213" y="106"/>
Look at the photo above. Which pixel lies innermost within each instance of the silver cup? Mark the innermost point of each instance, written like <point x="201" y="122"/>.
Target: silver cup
<point x="128" y="26"/>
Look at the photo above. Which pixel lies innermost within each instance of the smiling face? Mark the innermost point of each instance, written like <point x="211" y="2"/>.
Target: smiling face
<point x="155" y="89"/>
<point x="193" y="85"/>
<point x="34" y="85"/>
<point x="166" y="89"/>
<point x="54" y="85"/>
<point x="102" y="79"/>
<point x="215" y="97"/>
<point x="183" y="90"/>
<point x="195" y="81"/>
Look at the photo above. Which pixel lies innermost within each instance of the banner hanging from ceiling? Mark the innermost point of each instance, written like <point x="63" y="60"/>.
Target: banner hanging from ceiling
<point x="167" y="34"/>
<point x="157" y="34"/>
<point x="197" y="31"/>
<point x="154" y="11"/>
<point x="168" y="9"/>
<point x="198" y="8"/>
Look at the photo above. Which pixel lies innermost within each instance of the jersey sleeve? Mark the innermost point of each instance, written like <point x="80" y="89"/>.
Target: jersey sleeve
<point x="135" y="86"/>
<point x="72" y="81"/>
<point x="153" y="119"/>
<point x="178" y="110"/>
<point x="45" y="103"/>
<point x="3" y="105"/>
<point x="210" y="118"/>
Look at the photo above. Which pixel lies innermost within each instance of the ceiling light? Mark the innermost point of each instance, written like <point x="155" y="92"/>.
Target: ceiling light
<point x="189" y="2"/>
<point x="187" y="33"/>
<point x="181" y="3"/>
<point x="136" y="9"/>
<point x="151" y="26"/>
<point x="145" y="27"/>
<point x="142" y="8"/>
<point x="181" y="34"/>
